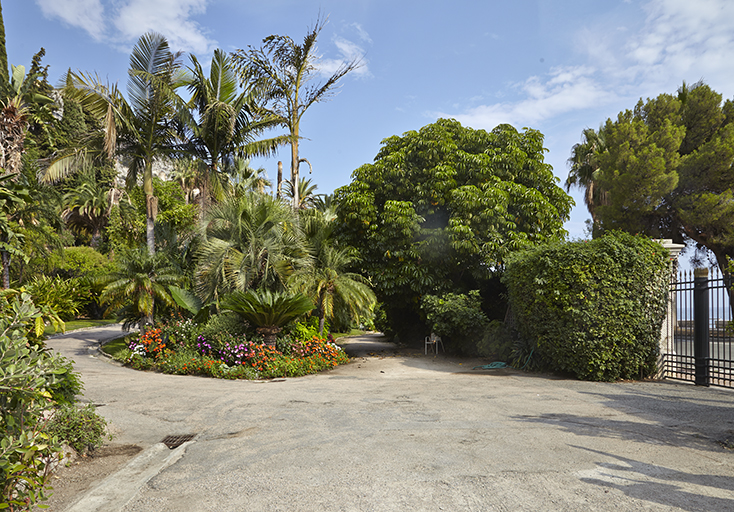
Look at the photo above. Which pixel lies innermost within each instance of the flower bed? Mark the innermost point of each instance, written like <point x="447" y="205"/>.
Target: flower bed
<point x="177" y="348"/>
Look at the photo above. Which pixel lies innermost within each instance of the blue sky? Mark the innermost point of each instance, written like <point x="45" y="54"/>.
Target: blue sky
<point x="556" y="66"/>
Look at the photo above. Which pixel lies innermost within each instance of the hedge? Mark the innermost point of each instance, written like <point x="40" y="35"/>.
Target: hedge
<point x="594" y="308"/>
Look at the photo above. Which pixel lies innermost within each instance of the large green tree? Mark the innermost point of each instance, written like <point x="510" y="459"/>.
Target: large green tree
<point x="440" y="209"/>
<point x="666" y="167"/>
<point x="286" y="71"/>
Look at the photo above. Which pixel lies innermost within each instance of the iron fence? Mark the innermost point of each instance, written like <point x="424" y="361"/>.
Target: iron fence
<point x="699" y="344"/>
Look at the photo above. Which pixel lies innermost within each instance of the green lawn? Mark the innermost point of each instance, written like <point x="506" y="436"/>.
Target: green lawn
<point x="73" y="325"/>
<point x="353" y="332"/>
<point x="116" y="346"/>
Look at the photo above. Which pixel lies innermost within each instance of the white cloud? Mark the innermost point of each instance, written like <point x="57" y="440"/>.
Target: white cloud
<point x="563" y="90"/>
<point x="85" y="14"/>
<point x="678" y="40"/>
<point x="172" y="18"/>
<point x="348" y="52"/>
<point x="363" y="35"/>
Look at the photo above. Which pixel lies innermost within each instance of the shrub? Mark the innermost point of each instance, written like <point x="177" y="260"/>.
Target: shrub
<point x="65" y="296"/>
<point x="28" y="376"/>
<point x="593" y="309"/>
<point x="497" y="342"/>
<point x="181" y="332"/>
<point x="81" y="428"/>
<point x="228" y="323"/>
<point x="81" y="262"/>
<point x="457" y="318"/>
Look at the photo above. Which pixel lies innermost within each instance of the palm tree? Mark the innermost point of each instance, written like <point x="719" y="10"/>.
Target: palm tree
<point x="306" y="196"/>
<point x="331" y="287"/>
<point x="584" y="171"/>
<point x="227" y="123"/>
<point x="285" y="70"/>
<point x="325" y="278"/>
<point x="140" y="283"/>
<point x="267" y="310"/>
<point x="244" y="178"/>
<point x="248" y="241"/>
<point x="87" y="210"/>
<point x="141" y="130"/>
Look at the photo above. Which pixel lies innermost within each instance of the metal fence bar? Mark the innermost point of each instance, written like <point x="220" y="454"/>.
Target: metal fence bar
<point x="715" y="363"/>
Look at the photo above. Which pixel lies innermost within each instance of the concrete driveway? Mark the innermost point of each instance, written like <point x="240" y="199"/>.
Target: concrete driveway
<point x="409" y="432"/>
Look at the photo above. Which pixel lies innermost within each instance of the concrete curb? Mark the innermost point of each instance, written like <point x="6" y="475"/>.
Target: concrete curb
<point x="118" y="489"/>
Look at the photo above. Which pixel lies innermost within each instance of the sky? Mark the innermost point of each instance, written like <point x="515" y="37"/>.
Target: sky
<point x="554" y="66"/>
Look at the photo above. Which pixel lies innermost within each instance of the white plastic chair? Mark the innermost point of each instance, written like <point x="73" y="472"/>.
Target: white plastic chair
<point x="434" y="341"/>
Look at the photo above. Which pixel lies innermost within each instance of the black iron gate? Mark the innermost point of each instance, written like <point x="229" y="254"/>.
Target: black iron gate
<point x="700" y="331"/>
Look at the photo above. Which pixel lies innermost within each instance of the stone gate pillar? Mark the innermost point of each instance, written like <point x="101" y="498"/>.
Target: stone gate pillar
<point x="671" y="318"/>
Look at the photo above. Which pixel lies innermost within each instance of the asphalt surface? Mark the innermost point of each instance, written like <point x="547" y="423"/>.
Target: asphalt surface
<point x="407" y="431"/>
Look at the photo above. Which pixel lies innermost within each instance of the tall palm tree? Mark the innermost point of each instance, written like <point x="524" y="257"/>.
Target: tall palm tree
<point x="140" y="130"/>
<point x="286" y="70"/>
<point x="584" y="172"/>
<point x="139" y="285"/>
<point x="248" y="241"/>
<point x="226" y="123"/>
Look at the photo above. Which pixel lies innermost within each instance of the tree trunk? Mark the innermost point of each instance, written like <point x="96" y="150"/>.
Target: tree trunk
<point x="280" y="180"/>
<point x="269" y="334"/>
<point x="151" y="203"/>
<point x="152" y="211"/>
<point x="322" y="320"/>
<point x="294" y="170"/>
<point x="6" y="268"/>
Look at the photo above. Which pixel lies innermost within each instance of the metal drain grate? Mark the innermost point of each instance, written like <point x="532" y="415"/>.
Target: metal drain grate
<point x="176" y="441"/>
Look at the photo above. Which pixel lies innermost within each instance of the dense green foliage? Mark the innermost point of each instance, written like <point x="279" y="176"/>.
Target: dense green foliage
<point x="440" y="210"/>
<point x="457" y="318"/>
<point x="32" y="382"/>
<point x="592" y="309"/>
<point x="664" y="169"/>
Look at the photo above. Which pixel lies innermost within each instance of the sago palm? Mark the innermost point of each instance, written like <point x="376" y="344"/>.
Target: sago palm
<point x="266" y="310"/>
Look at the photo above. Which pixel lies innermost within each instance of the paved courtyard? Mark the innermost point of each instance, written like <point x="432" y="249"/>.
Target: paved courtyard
<point x="408" y="431"/>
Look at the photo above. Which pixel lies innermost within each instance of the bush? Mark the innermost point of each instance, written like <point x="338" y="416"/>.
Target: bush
<point x="28" y="379"/>
<point x="65" y="296"/>
<point x="224" y="323"/>
<point x="497" y="342"/>
<point x="593" y="309"/>
<point x="307" y="329"/>
<point x="81" y="428"/>
<point x="81" y="262"/>
<point x="458" y="319"/>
